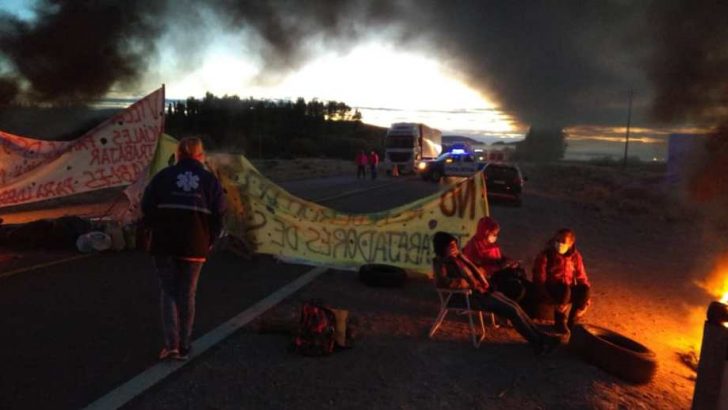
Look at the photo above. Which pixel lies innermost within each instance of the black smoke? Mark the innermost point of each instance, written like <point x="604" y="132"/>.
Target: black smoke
<point x="549" y="63"/>
<point x="77" y="50"/>
<point x="689" y="66"/>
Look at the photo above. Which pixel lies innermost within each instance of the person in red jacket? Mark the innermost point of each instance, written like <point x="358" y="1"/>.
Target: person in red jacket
<point x="361" y="164"/>
<point x="373" y="162"/>
<point x="505" y="273"/>
<point x="560" y="278"/>
<point x="453" y="270"/>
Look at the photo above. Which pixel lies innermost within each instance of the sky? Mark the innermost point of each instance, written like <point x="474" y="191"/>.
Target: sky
<point x="487" y="70"/>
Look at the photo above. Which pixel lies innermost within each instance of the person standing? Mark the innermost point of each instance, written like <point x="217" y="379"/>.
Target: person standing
<point x="361" y="163"/>
<point x="183" y="205"/>
<point x="373" y="162"/>
<point x="560" y="279"/>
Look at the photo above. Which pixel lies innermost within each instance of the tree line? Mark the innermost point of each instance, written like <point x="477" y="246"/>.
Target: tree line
<point x="262" y="128"/>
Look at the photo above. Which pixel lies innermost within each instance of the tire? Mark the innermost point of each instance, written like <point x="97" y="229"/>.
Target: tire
<point x="385" y="276"/>
<point x="436" y="176"/>
<point x="614" y="353"/>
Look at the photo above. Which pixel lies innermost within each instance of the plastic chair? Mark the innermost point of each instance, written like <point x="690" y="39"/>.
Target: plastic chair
<point x="446" y="306"/>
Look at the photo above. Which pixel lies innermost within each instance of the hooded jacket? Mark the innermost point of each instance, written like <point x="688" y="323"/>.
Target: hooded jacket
<point x="361" y="159"/>
<point x="552" y="267"/>
<point x="485" y="254"/>
<point x="183" y="205"/>
<point x="458" y="272"/>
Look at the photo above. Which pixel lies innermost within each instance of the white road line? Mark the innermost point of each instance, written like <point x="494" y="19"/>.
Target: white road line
<point x="155" y="374"/>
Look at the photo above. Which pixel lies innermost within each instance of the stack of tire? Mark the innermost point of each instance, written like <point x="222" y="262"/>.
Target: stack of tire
<point x="614" y="353"/>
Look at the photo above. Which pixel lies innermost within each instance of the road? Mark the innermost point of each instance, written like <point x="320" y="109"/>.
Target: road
<point x="73" y="331"/>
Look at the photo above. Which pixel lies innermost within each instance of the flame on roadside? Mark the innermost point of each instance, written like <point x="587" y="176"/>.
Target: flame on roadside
<point x="717" y="281"/>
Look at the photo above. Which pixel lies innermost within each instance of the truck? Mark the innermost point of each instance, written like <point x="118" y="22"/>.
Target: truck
<point x="406" y="144"/>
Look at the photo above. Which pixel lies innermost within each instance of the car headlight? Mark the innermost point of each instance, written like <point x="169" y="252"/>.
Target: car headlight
<point x="422" y="166"/>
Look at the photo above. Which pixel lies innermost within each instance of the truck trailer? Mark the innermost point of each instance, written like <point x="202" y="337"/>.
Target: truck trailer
<point x="406" y="144"/>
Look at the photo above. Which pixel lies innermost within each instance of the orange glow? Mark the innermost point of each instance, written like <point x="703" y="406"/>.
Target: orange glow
<point x="717" y="282"/>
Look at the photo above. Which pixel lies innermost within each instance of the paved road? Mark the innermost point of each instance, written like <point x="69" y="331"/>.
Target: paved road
<point x="73" y="331"/>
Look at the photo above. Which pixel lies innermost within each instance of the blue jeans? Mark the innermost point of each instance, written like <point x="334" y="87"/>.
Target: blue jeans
<point x="178" y="282"/>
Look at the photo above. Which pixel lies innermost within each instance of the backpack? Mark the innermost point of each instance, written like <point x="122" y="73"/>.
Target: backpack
<point x="316" y="335"/>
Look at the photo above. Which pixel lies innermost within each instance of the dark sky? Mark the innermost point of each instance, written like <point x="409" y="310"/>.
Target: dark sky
<point x="549" y="63"/>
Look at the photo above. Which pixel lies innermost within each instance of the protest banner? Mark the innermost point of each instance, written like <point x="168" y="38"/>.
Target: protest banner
<point x="297" y="230"/>
<point x="115" y="153"/>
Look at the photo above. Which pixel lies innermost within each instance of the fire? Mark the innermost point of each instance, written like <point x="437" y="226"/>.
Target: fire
<point x="717" y="282"/>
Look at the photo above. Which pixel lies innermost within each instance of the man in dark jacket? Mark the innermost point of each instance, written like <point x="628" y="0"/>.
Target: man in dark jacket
<point x="183" y="205"/>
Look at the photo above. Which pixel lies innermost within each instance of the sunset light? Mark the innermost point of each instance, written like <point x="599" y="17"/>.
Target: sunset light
<point x="382" y="82"/>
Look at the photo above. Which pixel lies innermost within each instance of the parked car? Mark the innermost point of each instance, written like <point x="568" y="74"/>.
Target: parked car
<point x="504" y="181"/>
<point x="449" y="164"/>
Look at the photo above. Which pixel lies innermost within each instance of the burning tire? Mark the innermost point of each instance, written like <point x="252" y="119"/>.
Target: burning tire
<point x="386" y="276"/>
<point x="614" y="353"/>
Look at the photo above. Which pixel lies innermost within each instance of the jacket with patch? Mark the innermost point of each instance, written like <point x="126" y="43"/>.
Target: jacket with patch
<point x="183" y="205"/>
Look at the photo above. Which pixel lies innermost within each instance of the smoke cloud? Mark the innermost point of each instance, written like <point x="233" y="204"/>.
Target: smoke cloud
<point x="549" y="63"/>
<point x="78" y="50"/>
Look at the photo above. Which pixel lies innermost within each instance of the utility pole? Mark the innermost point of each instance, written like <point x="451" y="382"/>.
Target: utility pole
<point x="626" y="138"/>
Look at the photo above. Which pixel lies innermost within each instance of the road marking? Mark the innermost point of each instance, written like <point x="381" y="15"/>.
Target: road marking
<point x="43" y="265"/>
<point x="155" y="374"/>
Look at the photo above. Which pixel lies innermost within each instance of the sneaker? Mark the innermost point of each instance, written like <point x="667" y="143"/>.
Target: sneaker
<point x="184" y="353"/>
<point x="168" y="354"/>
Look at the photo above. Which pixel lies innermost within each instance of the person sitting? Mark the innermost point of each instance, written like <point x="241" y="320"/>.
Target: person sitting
<point x="506" y="274"/>
<point x="453" y="270"/>
<point x="560" y="279"/>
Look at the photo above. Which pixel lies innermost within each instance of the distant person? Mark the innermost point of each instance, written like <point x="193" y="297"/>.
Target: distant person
<point x="373" y="162"/>
<point x="506" y="274"/>
<point x="560" y="278"/>
<point x="183" y="205"/>
<point x="453" y="270"/>
<point x="361" y="164"/>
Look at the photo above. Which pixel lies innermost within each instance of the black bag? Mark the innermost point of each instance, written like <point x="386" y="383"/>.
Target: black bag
<point x="316" y="336"/>
<point x="510" y="282"/>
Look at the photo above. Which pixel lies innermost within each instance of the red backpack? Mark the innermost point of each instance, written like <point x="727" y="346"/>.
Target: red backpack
<point x="316" y="334"/>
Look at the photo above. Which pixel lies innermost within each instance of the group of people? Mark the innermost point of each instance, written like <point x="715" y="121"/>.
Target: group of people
<point x="500" y="286"/>
<point x="183" y="207"/>
<point x="362" y="160"/>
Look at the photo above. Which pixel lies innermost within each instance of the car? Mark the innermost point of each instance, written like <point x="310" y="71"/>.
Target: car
<point x="504" y="181"/>
<point x="455" y="163"/>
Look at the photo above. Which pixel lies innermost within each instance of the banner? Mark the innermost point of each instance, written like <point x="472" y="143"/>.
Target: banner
<point x="163" y="156"/>
<point x="298" y="230"/>
<point x="114" y="153"/>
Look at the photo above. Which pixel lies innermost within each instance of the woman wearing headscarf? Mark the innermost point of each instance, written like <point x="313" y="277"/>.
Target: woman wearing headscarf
<point x="483" y="249"/>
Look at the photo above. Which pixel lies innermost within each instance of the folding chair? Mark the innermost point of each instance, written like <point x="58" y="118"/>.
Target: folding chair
<point x="446" y="306"/>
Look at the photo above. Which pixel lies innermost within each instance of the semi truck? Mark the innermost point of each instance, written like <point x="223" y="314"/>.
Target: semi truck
<point x="406" y="144"/>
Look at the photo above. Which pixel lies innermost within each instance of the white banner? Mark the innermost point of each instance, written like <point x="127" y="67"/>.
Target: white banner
<point x="114" y="153"/>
